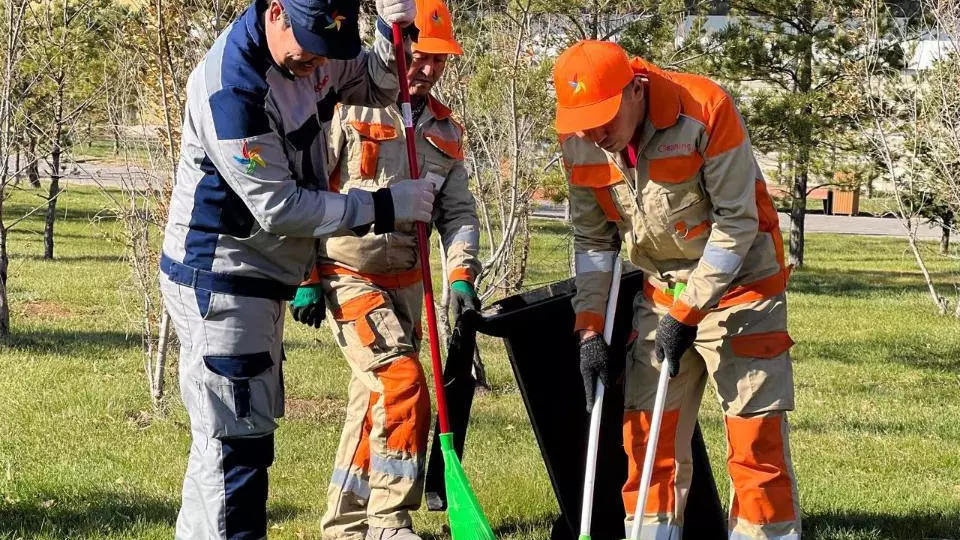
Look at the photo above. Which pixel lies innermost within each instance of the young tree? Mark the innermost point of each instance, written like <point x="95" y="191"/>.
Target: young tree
<point x="63" y="53"/>
<point x="11" y="28"/>
<point x="909" y="119"/>
<point x="177" y="35"/>
<point x="499" y="89"/>
<point x="790" y="60"/>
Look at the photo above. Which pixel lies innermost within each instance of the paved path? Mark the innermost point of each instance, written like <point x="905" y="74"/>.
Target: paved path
<point x="869" y="226"/>
<point x="94" y="172"/>
<point x="105" y="174"/>
<point x="815" y="223"/>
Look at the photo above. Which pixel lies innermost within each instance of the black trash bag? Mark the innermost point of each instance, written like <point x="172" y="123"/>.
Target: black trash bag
<point x="537" y="331"/>
<point x="459" y="385"/>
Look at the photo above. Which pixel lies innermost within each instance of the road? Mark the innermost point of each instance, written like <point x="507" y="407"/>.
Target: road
<point x="814" y="223"/>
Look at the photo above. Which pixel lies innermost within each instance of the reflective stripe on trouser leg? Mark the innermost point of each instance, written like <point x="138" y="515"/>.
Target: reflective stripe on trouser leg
<point x="349" y="489"/>
<point x="764" y="503"/>
<point x="379" y="341"/>
<point x="398" y="443"/>
<point x="673" y="468"/>
<point x="230" y="381"/>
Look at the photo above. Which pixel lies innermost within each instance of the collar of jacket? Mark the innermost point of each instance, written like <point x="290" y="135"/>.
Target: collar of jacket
<point x="437" y="109"/>
<point x="663" y="99"/>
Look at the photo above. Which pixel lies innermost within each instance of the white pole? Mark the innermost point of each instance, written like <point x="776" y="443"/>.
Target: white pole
<point x="651" y="452"/>
<point x="586" y="508"/>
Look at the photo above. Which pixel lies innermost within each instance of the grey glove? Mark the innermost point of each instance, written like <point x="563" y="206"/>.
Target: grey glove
<point x="673" y="340"/>
<point x="412" y="200"/>
<point x="402" y="12"/>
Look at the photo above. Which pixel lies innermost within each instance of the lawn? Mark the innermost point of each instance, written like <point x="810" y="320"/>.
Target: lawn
<point x="875" y="433"/>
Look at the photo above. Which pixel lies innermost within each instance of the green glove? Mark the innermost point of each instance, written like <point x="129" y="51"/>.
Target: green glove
<point x="309" y="306"/>
<point x="464" y="297"/>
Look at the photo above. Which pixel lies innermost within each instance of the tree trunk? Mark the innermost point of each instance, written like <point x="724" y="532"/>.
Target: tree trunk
<point x="52" y="204"/>
<point x="945" y="234"/>
<point x="116" y="140"/>
<point x="804" y="142"/>
<point x="55" y="156"/>
<point x="798" y="208"/>
<point x="16" y="167"/>
<point x="33" y="162"/>
<point x="4" y="303"/>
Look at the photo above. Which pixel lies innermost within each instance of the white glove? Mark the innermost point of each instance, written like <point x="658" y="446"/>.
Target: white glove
<point x="412" y="201"/>
<point x="402" y="12"/>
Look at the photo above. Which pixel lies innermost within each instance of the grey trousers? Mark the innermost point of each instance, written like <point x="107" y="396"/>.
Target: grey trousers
<point x="231" y="381"/>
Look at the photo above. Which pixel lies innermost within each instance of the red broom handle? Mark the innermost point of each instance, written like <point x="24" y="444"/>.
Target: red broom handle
<point x="422" y="244"/>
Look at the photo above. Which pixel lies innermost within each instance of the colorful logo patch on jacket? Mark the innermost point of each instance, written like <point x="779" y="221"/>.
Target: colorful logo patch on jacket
<point x="337" y="21"/>
<point x="436" y="17"/>
<point x="577" y="85"/>
<point x="250" y="157"/>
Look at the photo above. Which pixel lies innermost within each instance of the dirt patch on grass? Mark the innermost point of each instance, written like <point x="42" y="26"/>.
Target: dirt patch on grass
<point x="140" y="420"/>
<point x="323" y="409"/>
<point x="45" y="309"/>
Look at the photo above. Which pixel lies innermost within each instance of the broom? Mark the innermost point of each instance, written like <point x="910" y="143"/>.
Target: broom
<point x="467" y="521"/>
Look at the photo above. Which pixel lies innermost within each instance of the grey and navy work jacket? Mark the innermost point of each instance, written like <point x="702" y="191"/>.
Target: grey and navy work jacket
<point x="250" y="196"/>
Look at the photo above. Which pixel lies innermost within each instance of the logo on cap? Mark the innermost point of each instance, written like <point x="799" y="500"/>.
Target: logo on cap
<point x="337" y="21"/>
<point x="250" y="157"/>
<point x="577" y="85"/>
<point x="436" y="16"/>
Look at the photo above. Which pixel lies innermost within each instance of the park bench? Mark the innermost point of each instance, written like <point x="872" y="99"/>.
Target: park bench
<point x="834" y="201"/>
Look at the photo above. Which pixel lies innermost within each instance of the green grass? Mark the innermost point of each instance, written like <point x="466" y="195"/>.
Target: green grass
<point x="135" y="150"/>
<point x="875" y="433"/>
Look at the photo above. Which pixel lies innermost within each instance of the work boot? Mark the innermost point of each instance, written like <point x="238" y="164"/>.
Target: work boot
<point x="403" y="533"/>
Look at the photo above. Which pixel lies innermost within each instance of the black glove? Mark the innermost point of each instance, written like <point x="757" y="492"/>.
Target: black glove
<point x="595" y="363"/>
<point x="309" y="306"/>
<point x="464" y="297"/>
<point x="673" y="340"/>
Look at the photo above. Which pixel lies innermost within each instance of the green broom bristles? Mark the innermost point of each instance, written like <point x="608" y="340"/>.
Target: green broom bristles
<point x="467" y="521"/>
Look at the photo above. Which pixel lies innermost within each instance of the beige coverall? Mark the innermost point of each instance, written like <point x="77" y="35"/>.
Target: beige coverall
<point x="690" y="205"/>
<point x="373" y="290"/>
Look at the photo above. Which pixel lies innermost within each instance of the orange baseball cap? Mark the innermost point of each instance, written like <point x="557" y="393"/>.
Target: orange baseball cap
<point x="589" y="79"/>
<point x="436" y="29"/>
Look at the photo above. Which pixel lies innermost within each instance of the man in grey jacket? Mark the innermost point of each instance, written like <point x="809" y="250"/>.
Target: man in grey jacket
<point x="249" y="201"/>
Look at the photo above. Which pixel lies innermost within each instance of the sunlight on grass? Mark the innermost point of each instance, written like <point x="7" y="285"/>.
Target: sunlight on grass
<point x="875" y="433"/>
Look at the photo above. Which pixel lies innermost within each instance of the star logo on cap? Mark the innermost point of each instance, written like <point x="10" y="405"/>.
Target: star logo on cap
<point x="337" y="21"/>
<point x="577" y="85"/>
<point x="436" y="17"/>
<point x="250" y="157"/>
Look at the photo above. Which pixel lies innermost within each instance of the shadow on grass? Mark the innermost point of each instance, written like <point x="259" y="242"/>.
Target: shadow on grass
<point x="58" y="341"/>
<point x="873" y="526"/>
<point x="106" y="513"/>
<point x="508" y="526"/>
<point x="75" y="258"/>
<point x="87" y="514"/>
<point x="907" y="351"/>
<point x="65" y="213"/>
<point x="38" y="233"/>
<point x="859" y="283"/>
<point x="521" y="525"/>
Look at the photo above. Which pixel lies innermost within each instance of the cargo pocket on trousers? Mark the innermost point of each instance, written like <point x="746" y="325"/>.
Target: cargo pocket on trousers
<point x="762" y="376"/>
<point x="239" y="395"/>
<point x="356" y="312"/>
<point x="762" y="345"/>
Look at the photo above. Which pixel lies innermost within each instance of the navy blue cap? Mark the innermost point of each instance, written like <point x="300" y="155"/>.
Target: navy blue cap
<point x="328" y="28"/>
